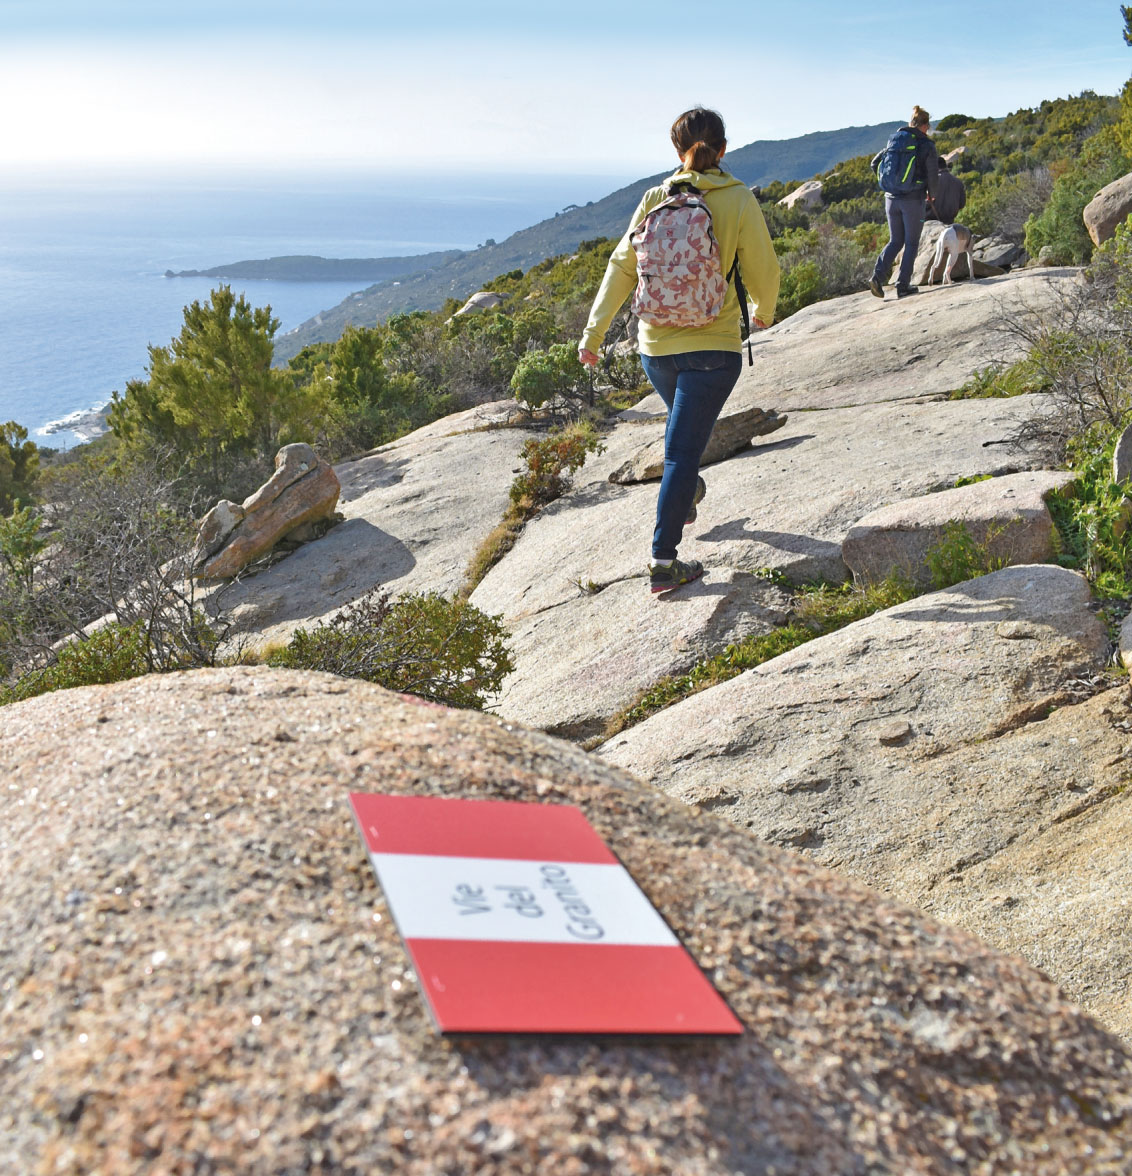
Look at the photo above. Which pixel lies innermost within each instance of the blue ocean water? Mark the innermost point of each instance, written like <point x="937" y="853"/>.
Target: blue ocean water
<point x="82" y="259"/>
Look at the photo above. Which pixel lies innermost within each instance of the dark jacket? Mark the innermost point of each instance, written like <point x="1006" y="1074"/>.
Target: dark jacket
<point x="927" y="165"/>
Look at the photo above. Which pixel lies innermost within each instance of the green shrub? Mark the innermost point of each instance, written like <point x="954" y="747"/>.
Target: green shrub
<point x="554" y="374"/>
<point x="951" y="122"/>
<point x="848" y="180"/>
<point x="1059" y="225"/>
<point x="1004" y="204"/>
<point x="113" y="653"/>
<point x="446" y="651"/>
<point x="1094" y="518"/>
<point x="801" y="286"/>
<point x="959" y="556"/>
<point x="824" y="608"/>
<point x="550" y="462"/>
<point x="994" y="381"/>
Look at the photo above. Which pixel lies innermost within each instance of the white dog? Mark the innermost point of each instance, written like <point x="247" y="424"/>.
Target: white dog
<point x="953" y="242"/>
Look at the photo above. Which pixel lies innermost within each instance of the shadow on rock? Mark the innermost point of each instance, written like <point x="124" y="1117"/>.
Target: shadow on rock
<point x="319" y="577"/>
<point x="370" y="473"/>
<point x="740" y="529"/>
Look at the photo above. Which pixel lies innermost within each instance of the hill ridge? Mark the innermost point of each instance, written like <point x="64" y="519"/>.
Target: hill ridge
<point x="756" y="163"/>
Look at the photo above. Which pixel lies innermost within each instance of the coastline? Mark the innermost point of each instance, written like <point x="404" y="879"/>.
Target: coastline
<point x="84" y="423"/>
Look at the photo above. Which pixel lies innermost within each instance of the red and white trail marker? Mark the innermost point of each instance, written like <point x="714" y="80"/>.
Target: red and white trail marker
<point x="519" y="919"/>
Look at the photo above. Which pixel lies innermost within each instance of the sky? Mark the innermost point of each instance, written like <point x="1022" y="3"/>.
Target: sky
<point x="521" y="86"/>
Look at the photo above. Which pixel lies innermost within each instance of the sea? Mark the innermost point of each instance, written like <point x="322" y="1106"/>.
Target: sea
<point x="83" y="292"/>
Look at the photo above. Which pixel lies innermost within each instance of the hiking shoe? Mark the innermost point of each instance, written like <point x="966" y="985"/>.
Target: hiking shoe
<point x="906" y="291"/>
<point x="701" y="490"/>
<point x="876" y="287"/>
<point x="677" y="573"/>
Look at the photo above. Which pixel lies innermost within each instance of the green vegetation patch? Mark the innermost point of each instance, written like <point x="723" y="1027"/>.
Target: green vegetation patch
<point x="996" y="381"/>
<point x="446" y="651"/>
<point x="549" y="464"/>
<point x="817" y="610"/>
<point x="1094" y="520"/>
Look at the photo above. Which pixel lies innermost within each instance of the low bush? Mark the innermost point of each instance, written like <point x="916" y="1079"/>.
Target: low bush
<point x="1094" y="518"/>
<point x="113" y="653"/>
<point x="1003" y="205"/>
<point x="105" y="543"/>
<point x="549" y="464"/>
<point x="446" y="651"/>
<point x="959" y="556"/>
<point x="554" y="374"/>
<point x="1059" y="225"/>
<point x="996" y="381"/>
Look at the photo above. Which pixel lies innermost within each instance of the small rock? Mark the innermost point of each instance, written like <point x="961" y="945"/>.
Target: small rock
<point x="215" y="528"/>
<point x="893" y="733"/>
<point x="731" y="434"/>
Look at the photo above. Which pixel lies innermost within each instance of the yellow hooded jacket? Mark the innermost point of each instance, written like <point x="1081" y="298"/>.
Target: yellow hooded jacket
<point x="737" y="221"/>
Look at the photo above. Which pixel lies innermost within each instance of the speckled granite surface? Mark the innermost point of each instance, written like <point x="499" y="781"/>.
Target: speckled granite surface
<point x="198" y="973"/>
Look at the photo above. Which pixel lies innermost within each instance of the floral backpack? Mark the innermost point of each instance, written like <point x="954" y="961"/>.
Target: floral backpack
<point x="680" y="279"/>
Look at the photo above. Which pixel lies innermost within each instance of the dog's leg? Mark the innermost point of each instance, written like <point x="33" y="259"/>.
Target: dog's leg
<point x="937" y="261"/>
<point x="970" y="265"/>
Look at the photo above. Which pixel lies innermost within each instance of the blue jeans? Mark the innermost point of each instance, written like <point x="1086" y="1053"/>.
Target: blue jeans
<point x="905" y="223"/>
<point x="694" y="387"/>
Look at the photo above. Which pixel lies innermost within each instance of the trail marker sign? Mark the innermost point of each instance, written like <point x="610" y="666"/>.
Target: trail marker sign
<point x="519" y="919"/>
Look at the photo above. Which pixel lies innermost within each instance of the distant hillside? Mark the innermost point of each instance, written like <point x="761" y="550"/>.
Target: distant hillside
<point x="757" y="163"/>
<point x="307" y="268"/>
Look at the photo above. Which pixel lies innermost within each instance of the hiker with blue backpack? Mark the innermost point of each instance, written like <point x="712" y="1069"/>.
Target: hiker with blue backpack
<point x="907" y="171"/>
<point x="692" y="246"/>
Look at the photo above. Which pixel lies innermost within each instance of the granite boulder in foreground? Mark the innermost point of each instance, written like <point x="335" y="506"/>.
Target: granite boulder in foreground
<point x="199" y="974"/>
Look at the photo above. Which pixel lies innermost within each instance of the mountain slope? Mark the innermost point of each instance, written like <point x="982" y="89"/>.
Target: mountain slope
<point x="756" y="163"/>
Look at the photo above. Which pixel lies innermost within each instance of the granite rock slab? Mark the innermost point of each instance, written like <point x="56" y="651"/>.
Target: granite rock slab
<point x="414" y="513"/>
<point x="200" y="973"/>
<point x="582" y="661"/>
<point x="859" y="350"/>
<point x="1006" y="517"/>
<point x="786" y="503"/>
<point x="912" y="745"/>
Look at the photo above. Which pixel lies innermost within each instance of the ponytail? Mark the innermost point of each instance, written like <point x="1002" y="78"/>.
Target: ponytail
<point x="920" y="117"/>
<point x="700" y="157"/>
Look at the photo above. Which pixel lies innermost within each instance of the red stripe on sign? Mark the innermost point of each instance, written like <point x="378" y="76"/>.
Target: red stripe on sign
<point x="491" y="987"/>
<point x="444" y="827"/>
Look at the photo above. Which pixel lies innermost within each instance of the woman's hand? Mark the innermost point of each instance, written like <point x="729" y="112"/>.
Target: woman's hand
<point x="587" y="357"/>
<point x="761" y="325"/>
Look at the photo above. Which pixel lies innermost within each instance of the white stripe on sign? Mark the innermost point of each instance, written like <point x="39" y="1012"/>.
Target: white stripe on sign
<point x="518" y="901"/>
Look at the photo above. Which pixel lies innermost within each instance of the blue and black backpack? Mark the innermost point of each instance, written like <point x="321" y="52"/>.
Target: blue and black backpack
<point x="896" y="172"/>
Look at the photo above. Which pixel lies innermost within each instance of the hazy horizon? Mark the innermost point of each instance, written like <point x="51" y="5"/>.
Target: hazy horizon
<point x="510" y="86"/>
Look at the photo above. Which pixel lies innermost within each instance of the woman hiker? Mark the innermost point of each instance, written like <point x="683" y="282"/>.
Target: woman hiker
<point x="905" y="210"/>
<point x="692" y="368"/>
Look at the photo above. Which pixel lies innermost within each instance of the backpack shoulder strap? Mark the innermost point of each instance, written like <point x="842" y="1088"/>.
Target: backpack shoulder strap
<point x="735" y="276"/>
